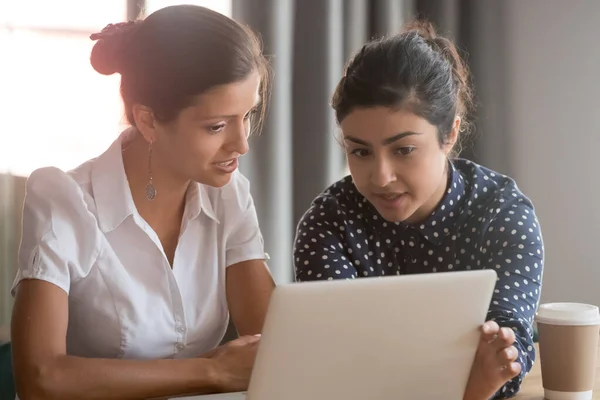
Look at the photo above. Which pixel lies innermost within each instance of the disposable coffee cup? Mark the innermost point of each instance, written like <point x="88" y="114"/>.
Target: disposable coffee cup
<point x="568" y="339"/>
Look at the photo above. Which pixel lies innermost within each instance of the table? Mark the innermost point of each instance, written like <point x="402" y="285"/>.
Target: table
<point x="531" y="388"/>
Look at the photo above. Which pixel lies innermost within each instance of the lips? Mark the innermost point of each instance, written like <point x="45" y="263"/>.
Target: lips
<point x="225" y="163"/>
<point x="227" y="166"/>
<point x="389" y="196"/>
<point x="390" y="200"/>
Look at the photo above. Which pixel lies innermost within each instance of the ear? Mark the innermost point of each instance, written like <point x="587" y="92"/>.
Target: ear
<point x="145" y="122"/>
<point x="453" y="135"/>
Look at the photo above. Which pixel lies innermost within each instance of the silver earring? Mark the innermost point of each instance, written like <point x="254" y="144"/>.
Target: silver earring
<point x="150" y="189"/>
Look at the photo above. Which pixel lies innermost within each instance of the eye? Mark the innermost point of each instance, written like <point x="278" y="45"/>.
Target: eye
<point x="405" y="150"/>
<point x="360" y="153"/>
<point x="216" y="128"/>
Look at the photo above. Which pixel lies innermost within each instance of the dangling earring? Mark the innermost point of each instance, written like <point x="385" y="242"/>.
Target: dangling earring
<point x="150" y="189"/>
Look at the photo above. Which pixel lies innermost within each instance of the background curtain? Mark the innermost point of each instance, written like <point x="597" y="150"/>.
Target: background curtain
<point x="309" y="41"/>
<point x="12" y="189"/>
<point x="7" y="247"/>
<point x="480" y="29"/>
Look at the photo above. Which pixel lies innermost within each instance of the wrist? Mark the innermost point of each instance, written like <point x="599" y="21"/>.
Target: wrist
<point x="474" y="393"/>
<point x="204" y="376"/>
<point x="214" y="375"/>
<point x="469" y="395"/>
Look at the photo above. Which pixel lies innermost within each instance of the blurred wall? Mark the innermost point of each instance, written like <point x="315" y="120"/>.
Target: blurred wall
<point x="554" y="134"/>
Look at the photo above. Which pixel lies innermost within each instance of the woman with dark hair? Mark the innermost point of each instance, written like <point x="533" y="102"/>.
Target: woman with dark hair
<point x="131" y="264"/>
<point x="410" y="206"/>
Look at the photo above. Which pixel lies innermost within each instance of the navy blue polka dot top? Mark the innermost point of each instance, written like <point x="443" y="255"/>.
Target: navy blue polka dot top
<point x="483" y="221"/>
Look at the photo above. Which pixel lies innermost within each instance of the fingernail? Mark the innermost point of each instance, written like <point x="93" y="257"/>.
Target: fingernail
<point x="258" y="335"/>
<point x="493" y="339"/>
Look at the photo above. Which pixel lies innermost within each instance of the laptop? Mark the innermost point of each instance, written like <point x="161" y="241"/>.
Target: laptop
<point x="400" y="337"/>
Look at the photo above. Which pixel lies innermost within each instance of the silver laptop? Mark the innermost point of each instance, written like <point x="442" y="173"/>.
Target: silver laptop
<point x="405" y="337"/>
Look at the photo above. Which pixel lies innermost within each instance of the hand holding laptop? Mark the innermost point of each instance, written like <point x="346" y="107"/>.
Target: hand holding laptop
<point x="494" y="363"/>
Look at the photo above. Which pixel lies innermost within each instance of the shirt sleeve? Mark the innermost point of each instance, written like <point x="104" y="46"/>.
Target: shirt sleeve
<point x="320" y="247"/>
<point x="60" y="237"/>
<point x="515" y="247"/>
<point x="244" y="241"/>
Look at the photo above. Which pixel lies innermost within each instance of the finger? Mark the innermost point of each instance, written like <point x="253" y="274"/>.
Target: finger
<point x="244" y="341"/>
<point x="507" y="355"/>
<point x="247" y="340"/>
<point x="506" y="337"/>
<point x="489" y="331"/>
<point x="510" y="371"/>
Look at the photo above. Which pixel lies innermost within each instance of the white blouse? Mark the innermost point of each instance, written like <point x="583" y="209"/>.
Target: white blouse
<point x="82" y="232"/>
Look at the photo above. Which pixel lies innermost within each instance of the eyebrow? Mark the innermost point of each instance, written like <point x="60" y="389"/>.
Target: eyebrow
<point x="385" y="142"/>
<point x="256" y="106"/>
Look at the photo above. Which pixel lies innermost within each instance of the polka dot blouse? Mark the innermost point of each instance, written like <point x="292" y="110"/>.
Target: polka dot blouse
<point x="482" y="222"/>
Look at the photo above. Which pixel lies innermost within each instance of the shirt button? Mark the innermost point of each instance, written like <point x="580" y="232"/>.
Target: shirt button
<point x="180" y="328"/>
<point x="179" y="346"/>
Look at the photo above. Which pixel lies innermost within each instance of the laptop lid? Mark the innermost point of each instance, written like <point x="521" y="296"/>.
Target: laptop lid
<point x="401" y="337"/>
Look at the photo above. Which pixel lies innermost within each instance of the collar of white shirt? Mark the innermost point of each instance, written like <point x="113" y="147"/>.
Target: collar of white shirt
<point x="114" y="202"/>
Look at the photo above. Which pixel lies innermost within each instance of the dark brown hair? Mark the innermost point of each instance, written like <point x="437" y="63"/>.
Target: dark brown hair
<point x="176" y="53"/>
<point x="415" y="70"/>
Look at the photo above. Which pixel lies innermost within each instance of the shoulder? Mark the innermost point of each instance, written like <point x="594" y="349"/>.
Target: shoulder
<point x="59" y="189"/>
<point x="479" y="177"/>
<point x="53" y="188"/>
<point x="490" y="195"/>
<point x="506" y="213"/>
<point x="238" y="188"/>
<point x="338" y="201"/>
<point x="335" y="219"/>
<point x="234" y="209"/>
<point x="56" y="202"/>
<point x="486" y="185"/>
<point x="56" y="216"/>
<point x="323" y="244"/>
<point x="229" y="202"/>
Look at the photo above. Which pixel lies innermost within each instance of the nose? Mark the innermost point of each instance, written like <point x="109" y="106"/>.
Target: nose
<point x="383" y="173"/>
<point x="238" y="141"/>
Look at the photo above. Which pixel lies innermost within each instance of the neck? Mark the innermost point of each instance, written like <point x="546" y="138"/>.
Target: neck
<point x="169" y="202"/>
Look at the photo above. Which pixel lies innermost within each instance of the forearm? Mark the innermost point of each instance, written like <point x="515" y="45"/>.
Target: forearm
<point x="322" y="265"/>
<point x="249" y="287"/>
<point x="68" y="377"/>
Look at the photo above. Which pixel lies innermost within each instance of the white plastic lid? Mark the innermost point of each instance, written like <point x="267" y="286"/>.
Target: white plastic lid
<point x="568" y="314"/>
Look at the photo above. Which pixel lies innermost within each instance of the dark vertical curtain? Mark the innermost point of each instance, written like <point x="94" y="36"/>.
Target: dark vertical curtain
<point x="297" y="155"/>
<point x="478" y="27"/>
<point x="309" y="41"/>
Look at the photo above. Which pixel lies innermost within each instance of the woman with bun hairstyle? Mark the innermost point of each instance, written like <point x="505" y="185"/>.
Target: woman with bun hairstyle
<point x="411" y="206"/>
<point x="131" y="264"/>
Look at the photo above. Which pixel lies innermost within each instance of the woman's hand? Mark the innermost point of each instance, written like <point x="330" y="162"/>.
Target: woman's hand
<point x="494" y="363"/>
<point x="234" y="362"/>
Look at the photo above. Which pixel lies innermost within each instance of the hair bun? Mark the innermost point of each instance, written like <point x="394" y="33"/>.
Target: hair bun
<point x="447" y="49"/>
<point x="109" y="51"/>
<point x="424" y="28"/>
